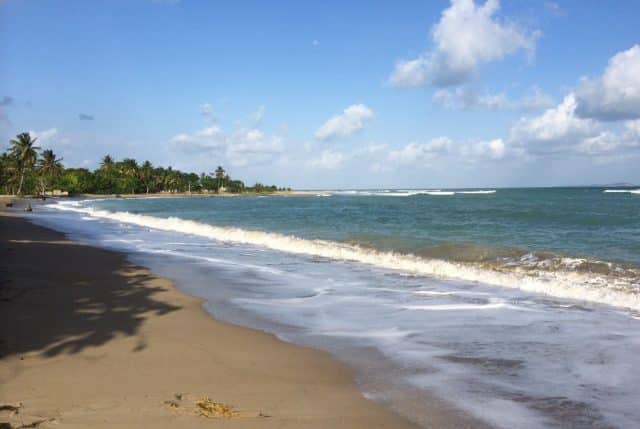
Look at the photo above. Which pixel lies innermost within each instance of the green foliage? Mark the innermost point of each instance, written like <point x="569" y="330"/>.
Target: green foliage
<point x="77" y="181"/>
<point x="23" y="171"/>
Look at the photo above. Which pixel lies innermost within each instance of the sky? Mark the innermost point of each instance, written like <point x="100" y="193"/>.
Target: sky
<point x="332" y="94"/>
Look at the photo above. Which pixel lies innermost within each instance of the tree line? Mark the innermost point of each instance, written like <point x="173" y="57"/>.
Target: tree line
<point x="26" y="170"/>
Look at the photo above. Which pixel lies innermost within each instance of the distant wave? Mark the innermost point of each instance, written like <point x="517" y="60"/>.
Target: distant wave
<point x="409" y="193"/>
<point x="562" y="282"/>
<point x="622" y="191"/>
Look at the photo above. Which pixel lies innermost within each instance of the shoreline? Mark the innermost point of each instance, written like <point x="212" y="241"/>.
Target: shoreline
<point x="131" y="341"/>
<point x="7" y="198"/>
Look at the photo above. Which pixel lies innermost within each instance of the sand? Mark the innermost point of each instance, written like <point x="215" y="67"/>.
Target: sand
<point x="88" y="339"/>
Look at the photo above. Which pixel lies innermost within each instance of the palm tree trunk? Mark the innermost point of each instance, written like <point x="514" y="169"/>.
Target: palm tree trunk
<point x="21" y="180"/>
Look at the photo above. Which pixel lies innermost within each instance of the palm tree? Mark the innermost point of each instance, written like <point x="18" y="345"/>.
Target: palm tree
<point x="24" y="154"/>
<point x="49" y="168"/>
<point x="106" y="164"/>
<point x="129" y="169"/>
<point x="7" y="173"/>
<point x="146" y="174"/>
<point x="219" y="177"/>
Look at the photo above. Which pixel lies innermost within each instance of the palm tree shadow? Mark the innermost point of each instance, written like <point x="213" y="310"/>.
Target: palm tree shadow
<point x="72" y="298"/>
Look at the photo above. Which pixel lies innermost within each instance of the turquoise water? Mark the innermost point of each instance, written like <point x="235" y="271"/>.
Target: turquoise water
<point x="573" y="221"/>
<point x="519" y="306"/>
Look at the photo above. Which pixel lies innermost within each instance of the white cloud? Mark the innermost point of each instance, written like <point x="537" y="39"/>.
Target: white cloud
<point x="352" y="119"/>
<point x="536" y="100"/>
<point x="554" y="129"/>
<point x="206" y="139"/>
<point x="480" y="150"/>
<point x="616" y="94"/>
<point x="420" y="153"/>
<point x="467" y="98"/>
<point x="329" y="159"/>
<point x="44" y="136"/>
<point x="560" y="130"/>
<point x="251" y="147"/>
<point x="633" y="127"/>
<point x="410" y="73"/>
<point x="243" y="146"/>
<point x="466" y="36"/>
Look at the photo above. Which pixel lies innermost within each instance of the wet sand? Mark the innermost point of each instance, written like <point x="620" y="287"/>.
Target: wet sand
<point x="88" y="339"/>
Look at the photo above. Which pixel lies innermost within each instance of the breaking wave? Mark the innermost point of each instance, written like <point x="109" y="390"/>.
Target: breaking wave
<point x="622" y="191"/>
<point x="555" y="277"/>
<point x="410" y="192"/>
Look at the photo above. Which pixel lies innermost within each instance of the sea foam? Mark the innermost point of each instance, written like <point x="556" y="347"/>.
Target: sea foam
<point x="561" y="284"/>
<point x="622" y="191"/>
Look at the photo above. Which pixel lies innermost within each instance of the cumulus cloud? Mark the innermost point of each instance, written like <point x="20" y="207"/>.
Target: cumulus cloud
<point x="420" y="153"/>
<point x="205" y="139"/>
<point x="328" y="159"/>
<point x="85" y="117"/>
<point x="240" y="147"/>
<point x="554" y="129"/>
<point x="616" y="94"/>
<point x="481" y="150"/>
<point x="467" y="36"/>
<point x="352" y="119"/>
<point x="561" y="130"/>
<point x="252" y="147"/>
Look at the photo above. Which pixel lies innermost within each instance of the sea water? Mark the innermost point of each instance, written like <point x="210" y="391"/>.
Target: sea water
<point x="519" y="306"/>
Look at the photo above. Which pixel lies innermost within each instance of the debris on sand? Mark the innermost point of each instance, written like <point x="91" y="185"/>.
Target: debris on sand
<point x="206" y="407"/>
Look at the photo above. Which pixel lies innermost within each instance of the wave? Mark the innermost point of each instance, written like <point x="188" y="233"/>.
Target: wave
<point x="492" y="191"/>
<point x="622" y="191"/>
<point x="562" y="282"/>
<point x="410" y="192"/>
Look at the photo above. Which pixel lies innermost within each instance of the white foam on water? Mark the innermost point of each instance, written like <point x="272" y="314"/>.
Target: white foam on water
<point x="409" y="192"/>
<point x="492" y="191"/>
<point x="622" y="191"/>
<point x="561" y="284"/>
<point x="448" y="293"/>
<point x="455" y="307"/>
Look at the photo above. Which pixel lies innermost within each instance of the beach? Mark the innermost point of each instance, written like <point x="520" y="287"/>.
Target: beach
<point x="90" y="340"/>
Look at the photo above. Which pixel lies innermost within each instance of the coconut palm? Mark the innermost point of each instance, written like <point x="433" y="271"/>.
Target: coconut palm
<point x="146" y="174"/>
<point x="24" y="153"/>
<point x="129" y="169"/>
<point x="106" y="165"/>
<point x="7" y="173"/>
<point x="49" y="168"/>
<point x="219" y="177"/>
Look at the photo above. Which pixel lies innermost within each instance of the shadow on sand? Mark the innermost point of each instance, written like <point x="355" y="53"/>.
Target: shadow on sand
<point x="60" y="297"/>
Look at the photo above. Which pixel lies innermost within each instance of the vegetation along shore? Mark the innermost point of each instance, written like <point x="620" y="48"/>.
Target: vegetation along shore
<point x="26" y="169"/>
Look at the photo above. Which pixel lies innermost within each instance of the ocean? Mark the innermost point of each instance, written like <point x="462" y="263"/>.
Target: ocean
<point x="518" y="306"/>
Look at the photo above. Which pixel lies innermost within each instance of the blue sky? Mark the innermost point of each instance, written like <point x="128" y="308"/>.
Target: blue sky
<point x="332" y="94"/>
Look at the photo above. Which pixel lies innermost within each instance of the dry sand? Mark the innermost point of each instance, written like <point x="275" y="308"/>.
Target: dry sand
<point x="89" y="340"/>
